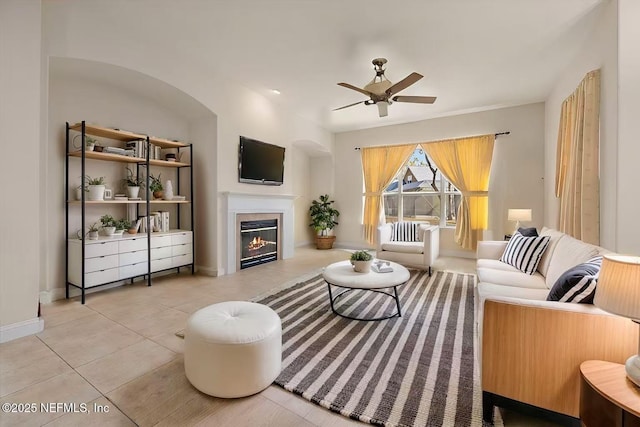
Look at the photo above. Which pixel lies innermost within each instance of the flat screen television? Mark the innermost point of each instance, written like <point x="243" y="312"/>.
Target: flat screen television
<point x="260" y="163"/>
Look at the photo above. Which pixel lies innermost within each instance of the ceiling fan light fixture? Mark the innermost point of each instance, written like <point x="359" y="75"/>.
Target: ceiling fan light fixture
<point x="382" y="108"/>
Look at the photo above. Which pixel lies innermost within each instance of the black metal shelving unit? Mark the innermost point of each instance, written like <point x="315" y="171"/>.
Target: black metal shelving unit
<point x="145" y="163"/>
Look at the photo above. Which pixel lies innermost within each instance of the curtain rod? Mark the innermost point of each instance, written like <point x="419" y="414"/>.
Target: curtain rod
<point x="496" y="135"/>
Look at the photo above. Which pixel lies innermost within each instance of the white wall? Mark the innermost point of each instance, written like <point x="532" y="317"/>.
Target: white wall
<point x="516" y="172"/>
<point x="628" y="232"/>
<point x="73" y="99"/>
<point x="600" y="51"/>
<point x="72" y="32"/>
<point x="301" y="188"/>
<point x="20" y="106"/>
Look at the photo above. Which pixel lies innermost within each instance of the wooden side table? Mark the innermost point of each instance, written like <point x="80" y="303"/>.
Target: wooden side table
<point x="607" y="397"/>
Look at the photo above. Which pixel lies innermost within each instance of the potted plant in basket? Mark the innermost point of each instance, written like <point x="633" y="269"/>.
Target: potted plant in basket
<point x="323" y="219"/>
<point x="108" y="224"/>
<point x="361" y="261"/>
<point x="133" y="184"/>
<point x="96" y="187"/>
<point x="155" y="186"/>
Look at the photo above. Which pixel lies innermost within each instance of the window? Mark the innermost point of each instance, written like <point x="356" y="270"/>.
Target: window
<point x="424" y="195"/>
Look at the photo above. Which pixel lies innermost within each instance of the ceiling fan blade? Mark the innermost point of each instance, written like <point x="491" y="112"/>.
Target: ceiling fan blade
<point x="350" y="105"/>
<point x="357" y="89"/>
<point x="404" y="83"/>
<point x="415" y="99"/>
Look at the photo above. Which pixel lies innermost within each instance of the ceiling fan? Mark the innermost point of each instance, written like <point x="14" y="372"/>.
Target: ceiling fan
<point x="381" y="91"/>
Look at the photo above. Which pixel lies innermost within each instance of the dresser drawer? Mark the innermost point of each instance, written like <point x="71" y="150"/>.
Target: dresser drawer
<point x="100" y="277"/>
<point x="133" y="270"/>
<point x="99" y="249"/>
<point x="161" y="264"/>
<point x="182" y="260"/>
<point x="133" y="257"/>
<point x="181" y="249"/>
<point x="160" y="241"/>
<point x="129" y="245"/>
<point x="180" y="238"/>
<point x="159" y="253"/>
<point x="100" y="263"/>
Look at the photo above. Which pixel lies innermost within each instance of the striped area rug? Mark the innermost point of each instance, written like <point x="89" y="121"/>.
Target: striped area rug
<point x="417" y="370"/>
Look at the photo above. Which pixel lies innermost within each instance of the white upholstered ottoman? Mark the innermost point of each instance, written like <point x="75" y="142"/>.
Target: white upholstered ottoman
<point x="233" y="349"/>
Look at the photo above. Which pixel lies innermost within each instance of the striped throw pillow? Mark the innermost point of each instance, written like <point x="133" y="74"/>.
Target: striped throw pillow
<point x="578" y="284"/>
<point x="524" y="253"/>
<point x="405" y="231"/>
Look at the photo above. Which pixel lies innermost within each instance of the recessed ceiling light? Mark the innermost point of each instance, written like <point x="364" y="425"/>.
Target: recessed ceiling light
<point x="276" y="91"/>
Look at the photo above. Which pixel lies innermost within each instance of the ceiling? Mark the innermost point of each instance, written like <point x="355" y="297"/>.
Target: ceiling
<point x="474" y="54"/>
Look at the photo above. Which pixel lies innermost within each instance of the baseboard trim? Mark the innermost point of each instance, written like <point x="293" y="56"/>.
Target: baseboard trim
<point x="21" y="329"/>
<point x="47" y="297"/>
<point x="213" y="272"/>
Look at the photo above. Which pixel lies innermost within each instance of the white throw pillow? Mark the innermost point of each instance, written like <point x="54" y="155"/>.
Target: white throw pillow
<point x="524" y="253"/>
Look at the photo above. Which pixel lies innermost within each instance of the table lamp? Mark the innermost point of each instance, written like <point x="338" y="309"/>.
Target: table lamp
<point x="518" y="215"/>
<point x="618" y="292"/>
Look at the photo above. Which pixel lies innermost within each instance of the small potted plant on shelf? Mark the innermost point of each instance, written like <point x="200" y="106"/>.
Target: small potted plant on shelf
<point x="79" y="191"/>
<point x="108" y="224"/>
<point x="133" y="184"/>
<point x="323" y="219"/>
<point x="89" y="142"/>
<point x="155" y="186"/>
<point x="121" y="225"/>
<point x="133" y="227"/>
<point x="93" y="231"/>
<point x="361" y="261"/>
<point x="96" y="187"/>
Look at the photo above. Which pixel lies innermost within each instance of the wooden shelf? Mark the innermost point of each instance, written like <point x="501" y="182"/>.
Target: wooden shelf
<point x="119" y="135"/>
<point x="122" y="135"/>
<point x="106" y="202"/>
<point x="110" y="157"/>
<point x="167" y="164"/>
<point x="166" y="143"/>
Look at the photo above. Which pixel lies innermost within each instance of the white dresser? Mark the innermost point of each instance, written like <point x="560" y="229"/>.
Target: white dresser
<point x="110" y="259"/>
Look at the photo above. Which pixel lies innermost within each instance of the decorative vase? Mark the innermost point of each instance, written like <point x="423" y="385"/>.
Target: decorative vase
<point x="362" y="266"/>
<point x="79" y="193"/>
<point x="96" y="192"/>
<point x="133" y="192"/>
<point x="158" y="194"/>
<point x="168" y="190"/>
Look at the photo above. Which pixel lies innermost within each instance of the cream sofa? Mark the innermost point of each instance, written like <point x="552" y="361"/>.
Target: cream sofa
<point x="420" y="254"/>
<point x="531" y="349"/>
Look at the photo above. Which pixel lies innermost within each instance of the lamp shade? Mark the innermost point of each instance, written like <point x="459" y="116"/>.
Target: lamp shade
<point x="519" y="215"/>
<point x="618" y="289"/>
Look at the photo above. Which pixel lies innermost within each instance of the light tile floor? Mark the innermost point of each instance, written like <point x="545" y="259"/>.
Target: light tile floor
<point x="119" y="351"/>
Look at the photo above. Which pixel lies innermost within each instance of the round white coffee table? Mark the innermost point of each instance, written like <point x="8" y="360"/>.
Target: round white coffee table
<point x="342" y="275"/>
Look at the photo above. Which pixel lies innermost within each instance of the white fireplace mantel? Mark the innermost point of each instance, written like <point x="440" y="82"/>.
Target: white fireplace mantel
<point x="243" y="203"/>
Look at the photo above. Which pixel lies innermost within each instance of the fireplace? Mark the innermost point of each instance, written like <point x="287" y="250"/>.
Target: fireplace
<point x="240" y="207"/>
<point x="259" y="242"/>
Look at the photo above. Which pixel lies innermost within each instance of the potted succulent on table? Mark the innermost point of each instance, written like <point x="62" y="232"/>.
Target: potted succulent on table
<point x="133" y="184"/>
<point x="89" y="142"/>
<point x="96" y="187"/>
<point x="155" y="186"/>
<point x="361" y="261"/>
<point x="108" y="224"/>
<point x="323" y="219"/>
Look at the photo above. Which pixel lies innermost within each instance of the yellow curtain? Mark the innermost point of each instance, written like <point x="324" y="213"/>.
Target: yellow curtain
<point x="379" y="166"/>
<point x="466" y="162"/>
<point x="577" y="161"/>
